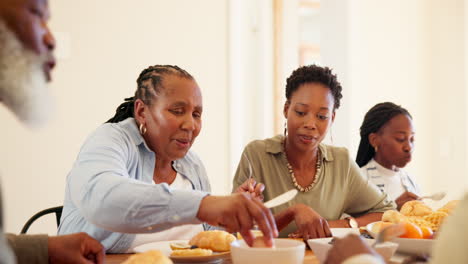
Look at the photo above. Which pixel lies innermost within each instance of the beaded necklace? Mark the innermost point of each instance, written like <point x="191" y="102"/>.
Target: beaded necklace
<point x="318" y="166"/>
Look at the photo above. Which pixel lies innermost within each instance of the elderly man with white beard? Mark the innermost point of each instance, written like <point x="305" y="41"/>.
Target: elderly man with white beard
<point x="26" y="62"/>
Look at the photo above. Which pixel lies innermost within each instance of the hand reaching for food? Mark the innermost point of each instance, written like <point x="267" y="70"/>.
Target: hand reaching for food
<point x="238" y="213"/>
<point x="405" y="197"/>
<point x="309" y="223"/>
<point x="351" y="245"/>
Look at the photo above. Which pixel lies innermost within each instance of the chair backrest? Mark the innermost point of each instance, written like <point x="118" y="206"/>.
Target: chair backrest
<point x="58" y="213"/>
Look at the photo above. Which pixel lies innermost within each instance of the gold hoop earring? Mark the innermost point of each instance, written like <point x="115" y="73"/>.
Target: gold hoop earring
<point x="142" y="129"/>
<point x="285" y="132"/>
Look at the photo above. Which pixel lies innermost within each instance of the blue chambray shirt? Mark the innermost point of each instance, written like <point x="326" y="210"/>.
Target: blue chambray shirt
<point x="110" y="194"/>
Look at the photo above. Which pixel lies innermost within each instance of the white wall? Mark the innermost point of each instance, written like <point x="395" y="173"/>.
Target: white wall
<point x="446" y="104"/>
<point x="411" y="53"/>
<point x="103" y="47"/>
<point x="250" y="75"/>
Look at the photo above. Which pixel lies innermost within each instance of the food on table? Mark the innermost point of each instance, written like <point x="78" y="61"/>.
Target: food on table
<point x="427" y="232"/>
<point x="149" y="257"/>
<point x="215" y="240"/>
<point x="411" y="231"/>
<point x="419" y="221"/>
<point x="393" y="216"/>
<point x="255" y="233"/>
<point x="436" y="219"/>
<point x="179" y="245"/>
<point x="191" y="252"/>
<point x="259" y="242"/>
<point x="415" y="208"/>
<point x="379" y="226"/>
<point x="418" y="213"/>
<point x="448" y="207"/>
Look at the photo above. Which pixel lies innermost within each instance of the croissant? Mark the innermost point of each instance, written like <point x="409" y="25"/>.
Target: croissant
<point x="149" y="257"/>
<point x="215" y="240"/>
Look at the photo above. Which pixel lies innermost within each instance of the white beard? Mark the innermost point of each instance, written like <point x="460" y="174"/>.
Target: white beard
<point x="23" y="84"/>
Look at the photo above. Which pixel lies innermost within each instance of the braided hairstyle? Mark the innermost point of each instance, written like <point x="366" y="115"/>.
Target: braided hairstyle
<point x="149" y="85"/>
<point x="375" y="118"/>
<point x="314" y="74"/>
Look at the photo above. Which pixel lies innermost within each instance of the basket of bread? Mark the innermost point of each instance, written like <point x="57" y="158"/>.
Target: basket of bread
<point x="421" y="224"/>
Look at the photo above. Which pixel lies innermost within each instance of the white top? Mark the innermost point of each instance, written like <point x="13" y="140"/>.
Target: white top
<point x="182" y="232"/>
<point x="394" y="183"/>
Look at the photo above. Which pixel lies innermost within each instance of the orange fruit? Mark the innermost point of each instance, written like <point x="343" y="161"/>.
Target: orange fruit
<point x="412" y="231"/>
<point x="426" y="232"/>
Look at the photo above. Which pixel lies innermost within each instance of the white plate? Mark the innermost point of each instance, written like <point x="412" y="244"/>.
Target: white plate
<point x="164" y="247"/>
<point x="408" y="245"/>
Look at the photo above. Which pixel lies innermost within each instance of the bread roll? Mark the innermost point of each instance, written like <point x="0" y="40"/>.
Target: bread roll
<point x="215" y="240"/>
<point x="259" y="242"/>
<point x="379" y="226"/>
<point x="393" y="217"/>
<point x="149" y="257"/>
<point x="415" y="208"/>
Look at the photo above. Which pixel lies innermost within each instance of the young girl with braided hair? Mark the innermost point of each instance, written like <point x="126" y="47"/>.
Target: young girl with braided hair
<point x="386" y="147"/>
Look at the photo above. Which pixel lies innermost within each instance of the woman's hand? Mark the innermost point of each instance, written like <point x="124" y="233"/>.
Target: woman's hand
<point x="344" y="248"/>
<point x="238" y="213"/>
<point x="405" y="197"/>
<point x="251" y="187"/>
<point x="309" y="223"/>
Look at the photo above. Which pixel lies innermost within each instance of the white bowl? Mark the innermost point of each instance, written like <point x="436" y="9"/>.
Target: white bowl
<point x="285" y="251"/>
<point x="407" y="245"/>
<point x="320" y="247"/>
<point x="342" y="232"/>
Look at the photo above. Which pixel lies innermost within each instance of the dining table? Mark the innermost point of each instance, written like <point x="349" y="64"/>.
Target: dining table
<point x="309" y="258"/>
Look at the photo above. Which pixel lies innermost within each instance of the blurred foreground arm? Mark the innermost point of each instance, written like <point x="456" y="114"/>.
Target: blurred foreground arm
<point x="73" y="249"/>
<point x="352" y="250"/>
<point x="29" y="248"/>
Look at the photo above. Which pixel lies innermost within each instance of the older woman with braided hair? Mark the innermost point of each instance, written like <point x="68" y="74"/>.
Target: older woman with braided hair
<point x="136" y="181"/>
<point x="386" y="146"/>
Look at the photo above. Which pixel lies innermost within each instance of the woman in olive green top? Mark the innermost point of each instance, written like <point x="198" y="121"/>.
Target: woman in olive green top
<point x="328" y="180"/>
